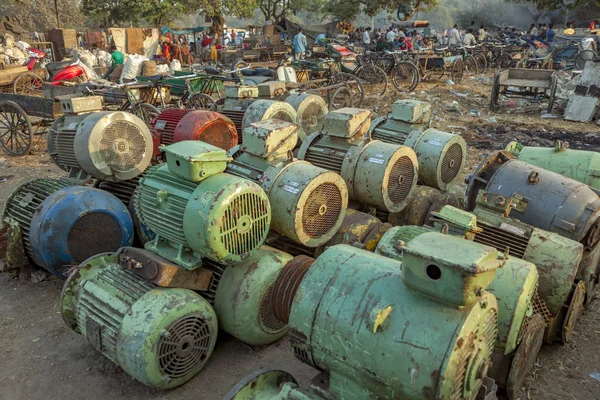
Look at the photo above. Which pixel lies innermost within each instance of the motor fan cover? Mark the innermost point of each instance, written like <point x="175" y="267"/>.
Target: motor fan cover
<point x="106" y="145"/>
<point x="311" y="110"/>
<point x="207" y="126"/>
<point x="261" y="110"/>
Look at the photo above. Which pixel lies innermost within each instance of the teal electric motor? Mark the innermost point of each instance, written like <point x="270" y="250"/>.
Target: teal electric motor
<point x="423" y="328"/>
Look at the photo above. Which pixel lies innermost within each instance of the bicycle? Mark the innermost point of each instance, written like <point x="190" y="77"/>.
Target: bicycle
<point x="128" y="100"/>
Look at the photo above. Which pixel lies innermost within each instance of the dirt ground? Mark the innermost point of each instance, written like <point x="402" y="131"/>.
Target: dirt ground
<point x="42" y="358"/>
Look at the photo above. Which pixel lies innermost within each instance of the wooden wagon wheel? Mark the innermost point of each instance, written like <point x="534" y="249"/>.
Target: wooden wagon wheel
<point x="28" y="84"/>
<point x="458" y="70"/>
<point x="16" y="135"/>
<point x="495" y="93"/>
<point x="200" y="101"/>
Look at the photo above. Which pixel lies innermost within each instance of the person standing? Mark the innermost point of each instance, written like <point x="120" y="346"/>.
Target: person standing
<point x="366" y="39"/>
<point x="454" y="36"/>
<point x="390" y="36"/>
<point x="550" y="34"/>
<point x="469" y="38"/>
<point x="299" y="43"/>
<point x="482" y="34"/>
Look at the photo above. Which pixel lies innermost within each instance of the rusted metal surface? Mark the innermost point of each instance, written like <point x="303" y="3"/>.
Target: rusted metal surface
<point x="207" y="126"/>
<point x="161" y="272"/>
<point x="422" y="203"/>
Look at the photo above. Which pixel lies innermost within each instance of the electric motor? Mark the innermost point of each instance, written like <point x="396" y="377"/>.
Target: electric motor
<point x="163" y="127"/>
<point x="422" y="203"/>
<point x="308" y="202"/>
<point x="106" y="145"/>
<point x="581" y="165"/>
<point x="161" y="336"/>
<point x="349" y="305"/>
<point x="406" y="116"/>
<point x="197" y="211"/>
<point x="237" y="100"/>
<point x="521" y="322"/>
<point x="261" y="110"/>
<point x="311" y="110"/>
<point x="377" y="174"/>
<point x="63" y="225"/>
<point x="243" y="298"/>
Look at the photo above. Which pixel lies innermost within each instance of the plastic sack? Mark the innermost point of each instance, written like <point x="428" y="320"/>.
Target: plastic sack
<point x="104" y="58"/>
<point x="175" y="66"/>
<point x="132" y="67"/>
<point x="163" y="69"/>
<point x="22" y="45"/>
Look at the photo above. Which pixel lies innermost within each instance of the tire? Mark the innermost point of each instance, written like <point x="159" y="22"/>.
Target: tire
<point x="28" y="84"/>
<point x="16" y="133"/>
<point x="354" y="85"/>
<point x="200" y="101"/>
<point x="504" y="61"/>
<point x="405" y="77"/>
<point x="458" y="70"/>
<point x="481" y="62"/>
<point x="374" y="77"/>
<point x="146" y="112"/>
<point x="471" y="67"/>
<point x="341" y="97"/>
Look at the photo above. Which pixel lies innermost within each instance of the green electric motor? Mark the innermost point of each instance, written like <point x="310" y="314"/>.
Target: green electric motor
<point x="378" y="328"/>
<point x="308" y="202"/>
<point x="520" y="323"/>
<point x="379" y="175"/>
<point x="162" y="337"/>
<point x="198" y="211"/>
<point x="581" y="165"/>
<point x="243" y="298"/>
<point x="441" y="154"/>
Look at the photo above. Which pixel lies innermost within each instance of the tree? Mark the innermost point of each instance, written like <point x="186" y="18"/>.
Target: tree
<point x="156" y="13"/>
<point x="217" y="9"/>
<point x="347" y="10"/>
<point x="40" y="15"/>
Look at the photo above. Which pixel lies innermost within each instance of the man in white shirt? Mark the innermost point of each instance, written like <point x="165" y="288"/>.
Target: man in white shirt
<point x="454" y="36"/>
<point x="366" y="39"/>
<point x="534" y="30"/>
<point x="469" y="39"/>
<point x="390" y="36"/>
<point x="482" y="34"/>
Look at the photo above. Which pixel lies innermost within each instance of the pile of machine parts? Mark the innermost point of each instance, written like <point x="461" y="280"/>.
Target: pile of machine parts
<point x="249" y="209"/>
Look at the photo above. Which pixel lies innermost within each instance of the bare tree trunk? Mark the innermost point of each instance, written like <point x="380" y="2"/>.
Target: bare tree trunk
<point x="218" y="21"/>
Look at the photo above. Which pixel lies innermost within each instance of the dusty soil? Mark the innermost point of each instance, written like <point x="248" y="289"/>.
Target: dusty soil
<point x="42" y="358"/>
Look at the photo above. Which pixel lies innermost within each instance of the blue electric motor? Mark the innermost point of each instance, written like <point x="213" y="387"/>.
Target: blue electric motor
<point x="63" y="225"/>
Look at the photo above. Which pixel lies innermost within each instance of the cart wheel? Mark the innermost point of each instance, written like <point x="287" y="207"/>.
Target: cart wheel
<point x="200" y="101"/>
<point x="264" y="56"/>
<point x="16" y="135"/>
<point x="481" y="62"/>
<point x="552" y="94"/>
<point x="471" y="66"/>
<point x="28" y="84"/>
<point x="341" y="97"/>
<point x="405" y="76"/>
<point x="372" y="75"/>
<point x="145" y="111"/>
<point x="458" y="70"/>
<point x="353" y="83"/>
<point x="495" y="93"/>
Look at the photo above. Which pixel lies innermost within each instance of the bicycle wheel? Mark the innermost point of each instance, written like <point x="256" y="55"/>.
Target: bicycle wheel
<point x="458" y="70"/>
<point x="374" y="77"/>
<point x="504" y="61"/>
<point x="471" y="67"/>
<point x="200" y="101"/>
<point x="353" y="84"/>
<point x="405" y="76"/>
<point x="146" y="112"/>
<point x="341" y="97"/>
<point x="582" y="57"/>
<point x="481" y="62"/>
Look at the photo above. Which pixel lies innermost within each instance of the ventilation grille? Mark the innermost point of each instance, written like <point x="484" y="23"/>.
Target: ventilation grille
<point x="22" y="205"/>
<point x="401" y="179"/>
<point x="245" y="223"/>
<point x="322" y="210"/>
<point x="451" y="163"/>
<point x="267" y="319"/>
<point x="218" y="134"/>
<point x="236" y="117"/>
<point x="389" y="136"/>
<point x="531" y="323"/>
<point x="500" y="239"/>
<point x="122" y="146"/>
<point x="382" y="215"/>
<point x="324" y="158"/>
<point x="167" y="121"/>
<point x="90" y="307"/>
<point x="185" y="347"/>
<point x="94" y="233"/>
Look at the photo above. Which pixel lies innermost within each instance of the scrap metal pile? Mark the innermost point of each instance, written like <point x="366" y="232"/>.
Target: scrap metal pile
<point x="338" y="229"/>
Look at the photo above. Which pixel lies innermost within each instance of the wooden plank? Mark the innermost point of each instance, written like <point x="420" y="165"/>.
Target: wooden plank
<point x="35" y="106"/>
<point x="7" y="76"/>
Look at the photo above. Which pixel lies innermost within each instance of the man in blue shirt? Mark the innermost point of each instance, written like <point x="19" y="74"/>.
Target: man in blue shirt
<point x="550" y="34"/>
<point x="299" y="45"/>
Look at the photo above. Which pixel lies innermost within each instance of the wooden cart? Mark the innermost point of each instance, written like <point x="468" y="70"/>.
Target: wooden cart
<point x="17" y="127"/>
<point x="20" y="80"/>
<point x="524" y="83"/>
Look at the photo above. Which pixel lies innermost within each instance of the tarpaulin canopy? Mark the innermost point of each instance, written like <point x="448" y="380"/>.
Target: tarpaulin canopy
<point x="186" y="31"/>
<point x="311" y="31"/>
